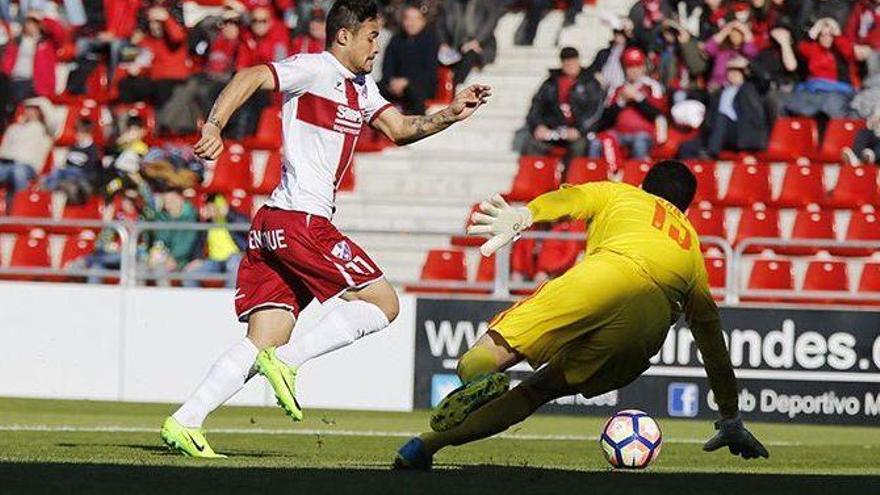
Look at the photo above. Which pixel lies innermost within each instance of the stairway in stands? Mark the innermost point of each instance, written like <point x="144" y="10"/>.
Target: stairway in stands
<point x="431" y="185"/>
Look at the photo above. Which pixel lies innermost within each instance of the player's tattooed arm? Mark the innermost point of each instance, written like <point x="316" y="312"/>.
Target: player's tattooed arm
<point x="245" y="83"/>
<point x="409" y="129"/>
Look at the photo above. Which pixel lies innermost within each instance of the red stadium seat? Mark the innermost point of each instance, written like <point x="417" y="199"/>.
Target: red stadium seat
<point x="669" y="148"/>
<point x="444" y="264"/>
<point x="558" y="255"/>
<point x="770" y="274"/>
<point x="758" y="221"/>
<point x="810" y="223"/>
<point x="29" y="203"/>
<point x="870" y="279"/>
<point x="792" y="138"/>
<point x="522" y="258"/>
<point x="271" y="176"/>
<point x="856" y="186"/>
<point x="864" y="225"/>
<point x="749" y="184"/>
<point x="77" y="246"/>
<point x="445" y="87"/>
<point x="92" y="210"/>
<point x="801" y="185"/>
<point x="707" y="180"/>
<point x="486" y="269"/>
<point x="468" y="240"/>
<point x="826" y="275"/>
<point x="839" y="134"/>
<point x="716" y="268"/>
<point x="349" y="178"/>
<point x="634" y="171"/>
<point x="31" y="250"/>
<point x="536" y="175"/>
<point x="582" y="170"/>
<point x="268" y="135"/>
<point x="707" y="220"/>
<point x="231" y="171"/>
<point x="240" y="201"/>
<point x="88" y="109"/>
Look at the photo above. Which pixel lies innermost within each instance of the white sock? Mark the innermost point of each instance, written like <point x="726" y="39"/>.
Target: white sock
<point x="340" y="327"/>
<point x="224" y="379"/>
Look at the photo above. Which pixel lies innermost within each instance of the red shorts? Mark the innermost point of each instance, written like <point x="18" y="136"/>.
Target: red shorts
<point x="293" y="257"/>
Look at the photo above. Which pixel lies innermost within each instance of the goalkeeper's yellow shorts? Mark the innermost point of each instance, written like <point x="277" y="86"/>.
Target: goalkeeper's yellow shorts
<point x="599" y="323"/>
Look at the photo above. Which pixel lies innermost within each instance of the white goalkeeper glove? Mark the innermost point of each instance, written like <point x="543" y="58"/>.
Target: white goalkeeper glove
<point x="503" y="222"/>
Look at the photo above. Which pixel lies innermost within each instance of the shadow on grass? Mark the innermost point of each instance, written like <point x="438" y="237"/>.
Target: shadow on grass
<point x="55" y="478"/>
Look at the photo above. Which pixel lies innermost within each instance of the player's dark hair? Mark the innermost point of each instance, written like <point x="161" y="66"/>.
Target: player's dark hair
<point x="349" y="14"/>
<point x="673" y="181"/>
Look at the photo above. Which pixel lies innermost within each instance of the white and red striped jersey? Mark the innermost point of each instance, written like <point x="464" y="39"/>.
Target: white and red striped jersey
<point x="325" y="106"/>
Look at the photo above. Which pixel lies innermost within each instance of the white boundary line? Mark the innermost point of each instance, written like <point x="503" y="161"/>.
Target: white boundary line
<point x="329" y="433"/>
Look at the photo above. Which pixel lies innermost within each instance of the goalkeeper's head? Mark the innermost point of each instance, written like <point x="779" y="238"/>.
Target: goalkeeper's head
<point x="673" y="181"/>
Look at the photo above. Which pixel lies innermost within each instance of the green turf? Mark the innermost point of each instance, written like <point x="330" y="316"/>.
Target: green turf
<point x="335" y="458"/>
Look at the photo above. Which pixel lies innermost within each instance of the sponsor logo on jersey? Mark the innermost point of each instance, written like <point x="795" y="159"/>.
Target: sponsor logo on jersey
<point x="348" y="120"/>
<point x="683" y="400"/>
<point x="342" y="251"/>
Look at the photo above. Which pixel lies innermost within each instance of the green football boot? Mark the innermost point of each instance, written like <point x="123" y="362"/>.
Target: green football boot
<point x="283" y="381"/>
<point x="190" y="442"/>
<point x="456" y="406"/>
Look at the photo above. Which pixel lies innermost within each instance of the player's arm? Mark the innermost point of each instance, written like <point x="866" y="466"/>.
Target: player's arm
<point x="505" y="223"/>
<point x="406" y="129"/>
<point x="705" y="323"/>
<point x="245" y="83"/>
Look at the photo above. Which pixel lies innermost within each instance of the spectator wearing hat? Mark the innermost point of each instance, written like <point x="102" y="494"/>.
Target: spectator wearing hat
<point x="565" y="110"/>
<point x="736" y="116"/>
<point x="467" y="29"/>
<point x="409" y="69"/>
<point x="735" y="39"/>
<point x="27" y="68"/>
<point x="25" y="147"/>
<point x="632" y="112"/>
<point x="314" y="38"/>
<point x="830" y="61"/>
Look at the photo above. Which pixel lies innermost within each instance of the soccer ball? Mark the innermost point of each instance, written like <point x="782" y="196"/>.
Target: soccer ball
<point x="631" y="440"/>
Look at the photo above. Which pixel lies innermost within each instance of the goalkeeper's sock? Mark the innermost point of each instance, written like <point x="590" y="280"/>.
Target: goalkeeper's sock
<point x="476" y="361"/>
<point x="494" y="417"/>
<point x="225" y="378"/>
<point x="340" y="327"/>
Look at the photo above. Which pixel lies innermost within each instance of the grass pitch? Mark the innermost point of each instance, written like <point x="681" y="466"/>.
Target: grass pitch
<point x="97" y="447"/>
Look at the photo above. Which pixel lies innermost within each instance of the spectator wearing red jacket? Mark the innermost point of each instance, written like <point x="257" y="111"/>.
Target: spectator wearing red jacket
<point x="269" y="35"/>
<point x="631" y="112"/>
<point x="29" y="61"/>
<point x="313" y="40"/>
<point x="863" y="28"/>
<point x="830" y="61"/>
<point x="162" y="64"/>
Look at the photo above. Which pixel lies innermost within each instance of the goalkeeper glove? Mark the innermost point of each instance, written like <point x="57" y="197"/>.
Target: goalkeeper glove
<point x="734" y="435"/>
<point x="503" y="222"/>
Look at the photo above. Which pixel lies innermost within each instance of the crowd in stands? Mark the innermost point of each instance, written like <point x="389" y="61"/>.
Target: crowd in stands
<point x="709" y="77"/>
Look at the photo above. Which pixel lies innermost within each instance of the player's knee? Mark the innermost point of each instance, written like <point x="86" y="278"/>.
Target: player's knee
<point x="476" y="361"/>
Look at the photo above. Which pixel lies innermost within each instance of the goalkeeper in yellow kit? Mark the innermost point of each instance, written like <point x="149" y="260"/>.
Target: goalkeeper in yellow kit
<point x="596" y="326"/>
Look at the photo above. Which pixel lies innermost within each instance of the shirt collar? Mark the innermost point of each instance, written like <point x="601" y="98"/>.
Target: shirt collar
<point x="341" y="68"/>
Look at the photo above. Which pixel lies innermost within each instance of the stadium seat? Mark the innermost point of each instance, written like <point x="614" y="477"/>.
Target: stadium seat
<point x="29" y="203"/>
<point x="716" y="268"/>
<point x="77" y="246"/>
<point x="839" y="134"/>
<point x="770" y="274"/>
<point x="523" y="258"/>
<point x="349" y="178"/>
<point x="758" y="221"/>
<point x="801" y="185"/>
<point x="445" y="88"/>
<point x="864" y="225"/>
<point x="268" y="135"/>
<point x="231" y="171"/>
<point x="467" y="240"/>
<point x="91" y="210"/>
<point x="634" y="171"/>
<point x="536" y="175"/>
<point x="486" y="269"/>
<point x="558" y="255"/>
<point x="826" y="275"/>
<point x="749" y="184"/>
<point x="444" y="264"/>
<point x="870" y="279"/>
<point x="240" y="201"/>
<point x="707" y="220"/>
<point x="31" y="250"/>
<point x="856" y="186"/>
<point x="88" y="109"/>
<point x="271" y="176"/>
<point x="792" y="138"/>
<point x="707" y="180"/>
<point x="582" y="170"/>
<point x="811" y="222"/>
<point x="669" y="148"/>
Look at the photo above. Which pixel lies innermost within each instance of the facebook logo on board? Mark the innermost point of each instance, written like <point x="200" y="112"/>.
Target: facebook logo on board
<point x="683" y="400"/>
<point x="441" y="385"/>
